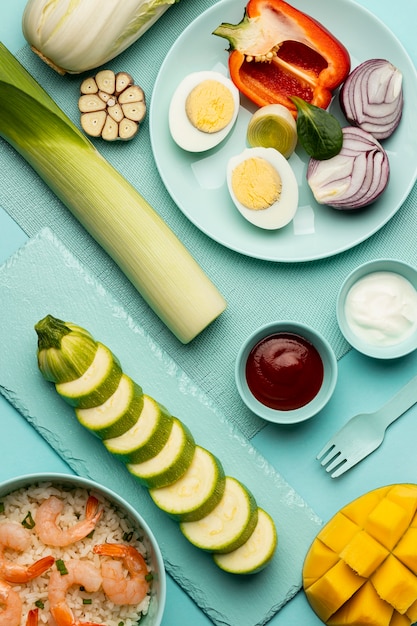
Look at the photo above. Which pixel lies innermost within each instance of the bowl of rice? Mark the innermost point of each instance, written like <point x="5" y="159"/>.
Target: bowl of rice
<point x="72" y="547"/>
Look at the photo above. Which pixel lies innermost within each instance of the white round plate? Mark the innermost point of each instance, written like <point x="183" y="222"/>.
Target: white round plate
<point x="197" y="181"/>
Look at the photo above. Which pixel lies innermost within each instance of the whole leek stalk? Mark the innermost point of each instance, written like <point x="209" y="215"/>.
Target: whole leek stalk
<point x="78" y="35"/>
<point x="110" y="209"/>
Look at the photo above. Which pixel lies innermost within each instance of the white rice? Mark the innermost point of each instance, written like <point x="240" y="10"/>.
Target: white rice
<point x="111" y="528"/>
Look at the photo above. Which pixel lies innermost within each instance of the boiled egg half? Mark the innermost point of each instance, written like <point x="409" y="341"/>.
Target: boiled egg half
<point x="203" y="110"/>
<point x="263" y="187"/>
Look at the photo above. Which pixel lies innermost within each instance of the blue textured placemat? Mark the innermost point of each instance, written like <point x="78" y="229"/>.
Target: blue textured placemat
<point x="257" y="291"/>
<point x="44" y="277"/>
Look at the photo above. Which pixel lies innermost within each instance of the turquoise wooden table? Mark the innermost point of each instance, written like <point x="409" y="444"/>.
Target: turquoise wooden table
<point x="363" y="384"/>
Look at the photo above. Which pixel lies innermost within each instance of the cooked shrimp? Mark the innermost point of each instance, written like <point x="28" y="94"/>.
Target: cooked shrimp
<point x="118" y="588"/>
<point x="10" y="605"/>
<point x="51" y="534"/>
<point x="15" y="537"/>
<point x="82" y="573"/>
<point x="32" y="618"/>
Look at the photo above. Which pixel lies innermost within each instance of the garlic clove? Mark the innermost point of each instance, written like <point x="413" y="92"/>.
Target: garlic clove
<point x="134" y="110"/>
<point x="127" y="129"/>
<point x="132" y="94"/>
<point x="115" y="112"/>
<point x="93" y="123"/>
<point x="123" y="81"/>
<point x="91" y="103"/>
<point x="110" y="130"/>
<point x="106" y="81"/>
<point x="88" y="86"/>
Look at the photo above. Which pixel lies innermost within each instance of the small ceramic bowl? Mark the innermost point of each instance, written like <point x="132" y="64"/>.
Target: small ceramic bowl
<point x="327" y="356"/>
<point x="360" y="343"/>
<point x="154" y="615"/>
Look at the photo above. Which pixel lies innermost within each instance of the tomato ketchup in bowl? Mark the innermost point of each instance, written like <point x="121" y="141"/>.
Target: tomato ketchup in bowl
<point x="286" y="372"/>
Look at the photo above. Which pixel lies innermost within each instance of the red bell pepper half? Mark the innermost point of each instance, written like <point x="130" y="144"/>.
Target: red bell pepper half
<point x="277" y="51"/>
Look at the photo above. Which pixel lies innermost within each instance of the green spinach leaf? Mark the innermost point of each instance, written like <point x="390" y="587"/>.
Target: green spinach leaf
<point x="319" y="132"/>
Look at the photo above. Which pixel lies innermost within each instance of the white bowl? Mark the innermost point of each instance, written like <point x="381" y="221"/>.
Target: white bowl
<point x="154" y="558"/>
<point x="325" y="392"/>
<point x="395" y="350"/>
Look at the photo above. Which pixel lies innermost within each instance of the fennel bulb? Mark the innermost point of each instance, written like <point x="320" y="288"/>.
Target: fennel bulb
<point x="73" y="36"/>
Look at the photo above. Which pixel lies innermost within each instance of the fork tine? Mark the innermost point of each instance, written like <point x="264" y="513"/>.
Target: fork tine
<point x="344" y="467"/>
<point x="332" y="455"/>
<point x="328" y="450"/>
<point x="339" y="460"/>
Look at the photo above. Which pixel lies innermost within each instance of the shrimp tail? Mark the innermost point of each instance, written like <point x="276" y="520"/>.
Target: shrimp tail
<point x="111" y="549"/>
<point x="21" y="574"/>
<point x="123" y="552"/>
<point x="63" y="616"/>
<point x="92" y="507"/>
<point x="41" y="566"/>
<point x="32" y="617"/>
<point x="133" y="559"/>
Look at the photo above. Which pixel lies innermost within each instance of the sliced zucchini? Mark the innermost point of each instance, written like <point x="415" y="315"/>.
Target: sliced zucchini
<point x="197" y="492"/>
<point x="255" y="553"/>
<point x="170" y="463"/>
<point x="97" y="383"/>
<point x="117" y="414"/>
<point x="229" y="525"/>
<point x="215" y="512"/>
<point x="146" y="437"/>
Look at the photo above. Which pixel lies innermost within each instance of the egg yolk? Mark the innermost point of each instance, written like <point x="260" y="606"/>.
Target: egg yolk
<point x="256" y="183"/>
<point x="210" y="106"/>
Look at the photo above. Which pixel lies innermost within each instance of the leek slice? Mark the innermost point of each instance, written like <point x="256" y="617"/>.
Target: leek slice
<point x="111" y="210"/>
<point x="273" y="126"/>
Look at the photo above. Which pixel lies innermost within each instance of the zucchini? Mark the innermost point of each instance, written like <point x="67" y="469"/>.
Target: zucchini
<point x="65" y="350"/>
<point x="146" y="437"/>
<point x="97" y="384"/>
<point x="229" y="525"/>
<point x="216" y="513"/>
<point x="170" y="463"/>
<point x="117" y="414"/>
<point x="255" y="553"/>
<point x="197" y="492"/>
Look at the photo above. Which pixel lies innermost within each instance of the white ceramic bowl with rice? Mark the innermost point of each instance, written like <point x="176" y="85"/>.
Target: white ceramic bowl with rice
<point x="118" y="523"/>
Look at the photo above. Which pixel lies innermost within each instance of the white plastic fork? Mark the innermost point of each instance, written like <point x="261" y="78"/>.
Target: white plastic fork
<point x="365" y="432"/>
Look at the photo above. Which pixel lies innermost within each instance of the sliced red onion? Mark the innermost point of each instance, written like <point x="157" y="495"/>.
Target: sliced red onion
<point x="355" y="177"/>
<point x="372" y="97"/>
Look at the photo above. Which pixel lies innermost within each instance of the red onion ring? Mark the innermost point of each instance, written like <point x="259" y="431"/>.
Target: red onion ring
<point x="372" y="97"/>
<point x="355" y="177"/>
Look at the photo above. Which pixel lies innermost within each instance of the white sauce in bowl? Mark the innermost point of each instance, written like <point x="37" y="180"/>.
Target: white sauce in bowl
<point x="381" y="308"/>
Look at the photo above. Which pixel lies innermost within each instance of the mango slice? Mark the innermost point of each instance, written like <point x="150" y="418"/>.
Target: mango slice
<point x="365" y="608"/>
<point x="363" y="553"/>
<point x="395" y="584"/>
<point x="361" y="569"/>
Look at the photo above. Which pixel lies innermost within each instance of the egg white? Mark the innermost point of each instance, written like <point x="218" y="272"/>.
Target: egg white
<point x="182" y="130"/>
<point x="283" y="210"/>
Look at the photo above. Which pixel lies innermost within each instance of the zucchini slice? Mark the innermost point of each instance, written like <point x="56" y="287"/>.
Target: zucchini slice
<point x="146" y="437"/>
<point x="170" y="463"/>
<point x="255" y="553"/>
<point x="197" y="492"/>
<point x="97" y="384"/>
<point x="229" y="525"/>
<point x="117" y="414"/>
